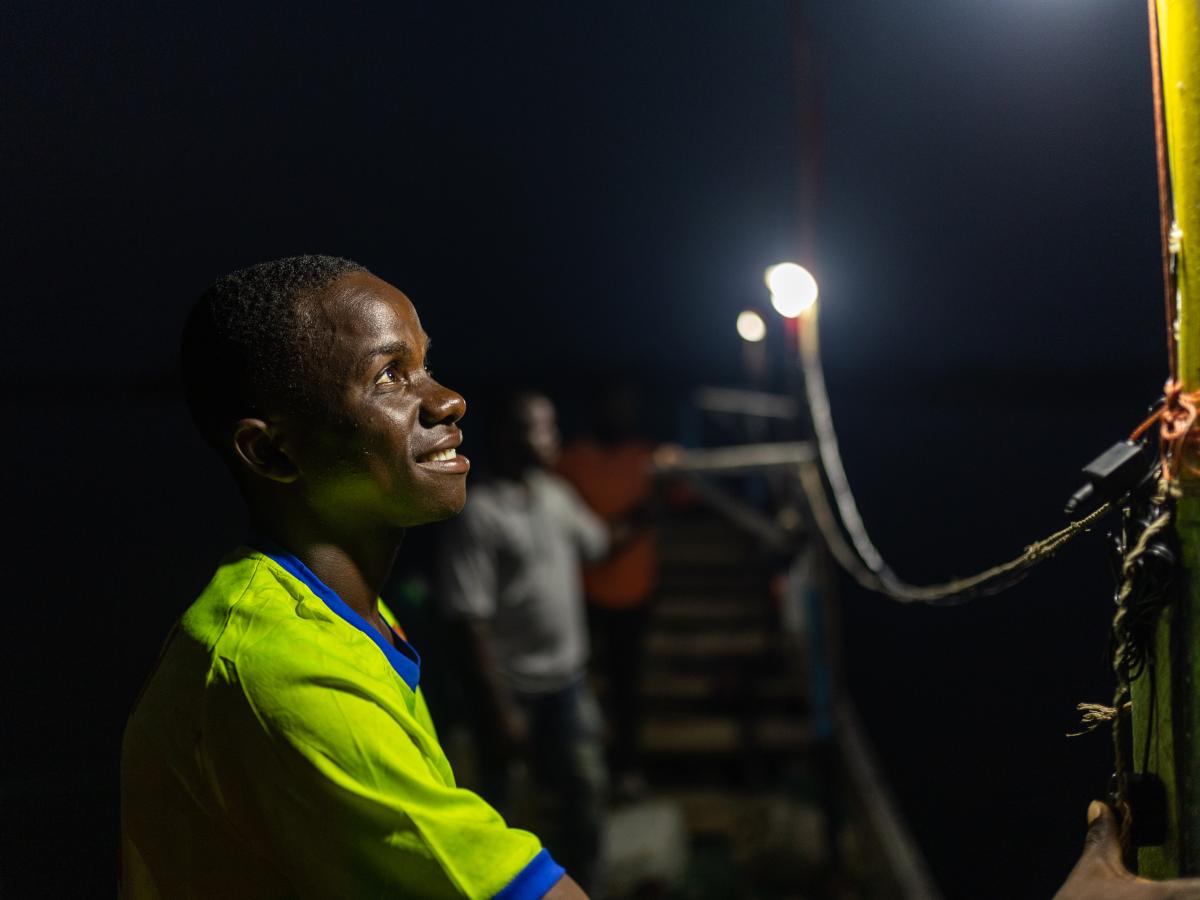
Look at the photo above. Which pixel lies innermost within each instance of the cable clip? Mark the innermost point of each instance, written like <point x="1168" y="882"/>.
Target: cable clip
<point x="1110" y="475"/>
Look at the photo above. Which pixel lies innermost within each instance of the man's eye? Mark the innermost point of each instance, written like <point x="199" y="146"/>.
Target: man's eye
<point x="388" y="376"/>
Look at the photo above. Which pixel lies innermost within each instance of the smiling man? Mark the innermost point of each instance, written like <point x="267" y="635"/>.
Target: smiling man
<point x="282" y="747"/>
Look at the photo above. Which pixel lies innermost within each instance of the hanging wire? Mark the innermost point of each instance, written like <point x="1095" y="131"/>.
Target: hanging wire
<point x="859" y="557"/>
<point x="1143" y="587"/>
<point x="986" y="583"/>
<point x="1175" y="417"/>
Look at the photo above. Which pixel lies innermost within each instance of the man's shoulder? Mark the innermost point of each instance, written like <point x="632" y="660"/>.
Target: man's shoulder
<point x="548" y="481"/>
<point x="258" y="646"/>
<point x="555" y="490"/>
<point x="257" y="625"/>
<point x="244" y="604"/>
<point x="248" y="591"/>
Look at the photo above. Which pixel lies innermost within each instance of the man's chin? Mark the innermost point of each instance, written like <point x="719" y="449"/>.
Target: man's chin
<point x="448" y="509"/>
<point x="450" y="512"/>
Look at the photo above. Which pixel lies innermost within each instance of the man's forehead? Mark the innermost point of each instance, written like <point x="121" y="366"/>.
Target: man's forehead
<point x="372" y="311"/>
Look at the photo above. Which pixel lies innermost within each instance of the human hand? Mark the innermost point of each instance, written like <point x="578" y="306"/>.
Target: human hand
<point x="512" y="729"/>
<point x="667" y="456"/>
<point x="620" y="534"/>
<point x="1100" y="873"/>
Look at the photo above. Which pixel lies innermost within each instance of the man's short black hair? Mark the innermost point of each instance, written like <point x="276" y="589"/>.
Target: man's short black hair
<point x="256" y="337"/>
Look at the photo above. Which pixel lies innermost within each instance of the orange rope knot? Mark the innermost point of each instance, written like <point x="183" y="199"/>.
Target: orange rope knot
<point x="1176" y="415"/>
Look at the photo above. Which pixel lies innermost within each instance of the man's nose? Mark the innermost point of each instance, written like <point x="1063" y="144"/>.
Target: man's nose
<point x="442" y="406"/>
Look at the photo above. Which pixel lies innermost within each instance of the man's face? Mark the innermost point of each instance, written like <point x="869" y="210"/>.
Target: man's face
<point x="387" y="456"/>
<point x="539" y="430"/>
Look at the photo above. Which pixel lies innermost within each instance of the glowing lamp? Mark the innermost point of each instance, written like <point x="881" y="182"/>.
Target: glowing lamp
<point x="793" y="289"/>
<point x="751" y="327"/>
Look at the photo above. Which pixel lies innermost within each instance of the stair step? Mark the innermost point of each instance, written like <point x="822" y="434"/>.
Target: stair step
<point x="672" y="686"/>
<point x="700" y="556"/>
<point x="714" y="581"/>
<point x="667" y="687"/>
<point x="741" y="643"/>
<point x="720" y="735"/>
<point x="671" y="691"/>
<point x="716" y="611"/>
<point x="696" y="735"/>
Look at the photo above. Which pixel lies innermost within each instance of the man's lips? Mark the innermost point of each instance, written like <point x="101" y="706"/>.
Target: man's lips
<point x="444" y="455"/>
<point x="445" y="461"/>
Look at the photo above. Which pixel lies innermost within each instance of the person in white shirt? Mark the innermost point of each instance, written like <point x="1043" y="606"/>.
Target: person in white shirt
<point x="509" y="578"/>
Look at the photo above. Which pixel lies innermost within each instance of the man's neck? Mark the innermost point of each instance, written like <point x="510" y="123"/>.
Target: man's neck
<point x="357" y="575"/>
<point x="354" y="569"/>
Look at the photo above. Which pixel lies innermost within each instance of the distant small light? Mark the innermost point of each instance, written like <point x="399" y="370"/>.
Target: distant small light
<point x="793" y="289"/>
<point x="751" y="327"/>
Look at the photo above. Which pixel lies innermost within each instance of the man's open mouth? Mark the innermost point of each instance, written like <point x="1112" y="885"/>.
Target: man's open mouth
<point x="438" y="455"/>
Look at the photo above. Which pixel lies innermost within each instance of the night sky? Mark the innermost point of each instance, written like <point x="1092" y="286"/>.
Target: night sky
<point x="577" y="189"/>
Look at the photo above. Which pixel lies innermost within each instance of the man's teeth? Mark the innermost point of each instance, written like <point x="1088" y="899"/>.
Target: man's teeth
<point x="441" y="455"/>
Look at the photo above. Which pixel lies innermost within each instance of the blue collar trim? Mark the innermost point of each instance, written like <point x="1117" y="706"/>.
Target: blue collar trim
<point x="403" y="657"/>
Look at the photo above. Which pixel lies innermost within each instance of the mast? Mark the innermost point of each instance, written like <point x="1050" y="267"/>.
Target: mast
<point x="1166" y="697"/>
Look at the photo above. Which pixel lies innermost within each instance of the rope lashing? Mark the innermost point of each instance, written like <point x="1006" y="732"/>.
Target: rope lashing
<point x="1176" y="414"/>
<point x="1137" y="602"/>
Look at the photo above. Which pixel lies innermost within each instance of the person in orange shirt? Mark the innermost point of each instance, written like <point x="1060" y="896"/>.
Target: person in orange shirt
<point x="611" y="472"/>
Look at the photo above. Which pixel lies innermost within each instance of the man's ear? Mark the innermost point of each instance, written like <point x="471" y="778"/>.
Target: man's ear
<point x="259" y="447"/>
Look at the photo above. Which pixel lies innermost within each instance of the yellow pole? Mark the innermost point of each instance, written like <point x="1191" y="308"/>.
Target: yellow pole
<point x="1166" y="699"/>
<point x="1179" y="38"/>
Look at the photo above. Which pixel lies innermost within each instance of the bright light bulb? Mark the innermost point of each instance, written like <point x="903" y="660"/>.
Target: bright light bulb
<point x="751" y="327"/>
<point x="793" y="289"/>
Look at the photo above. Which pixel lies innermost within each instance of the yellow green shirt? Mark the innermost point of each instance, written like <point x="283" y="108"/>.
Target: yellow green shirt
<point x="283" y="749"/>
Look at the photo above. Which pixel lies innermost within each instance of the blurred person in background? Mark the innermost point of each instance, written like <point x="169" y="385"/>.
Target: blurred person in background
<point x="509" y="580"/>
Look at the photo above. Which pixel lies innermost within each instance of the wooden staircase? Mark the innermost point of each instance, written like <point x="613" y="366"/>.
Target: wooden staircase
<point x="724" y="711"/>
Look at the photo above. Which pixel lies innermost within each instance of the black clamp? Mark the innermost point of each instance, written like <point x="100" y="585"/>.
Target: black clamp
<point x="1112" y="474"/>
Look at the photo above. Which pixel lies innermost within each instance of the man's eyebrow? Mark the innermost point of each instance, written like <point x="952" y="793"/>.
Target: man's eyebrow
<point x="395" y="348"/>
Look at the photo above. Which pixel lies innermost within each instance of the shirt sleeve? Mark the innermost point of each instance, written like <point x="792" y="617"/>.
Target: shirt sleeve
<point x="322" y="773"/>
<point x="466" y="566"/>
<point x="588" y="530"/>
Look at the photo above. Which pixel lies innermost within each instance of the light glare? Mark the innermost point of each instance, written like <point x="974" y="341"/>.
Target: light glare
<point x="793" y="289"/>
<point x="751" y="327"/>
